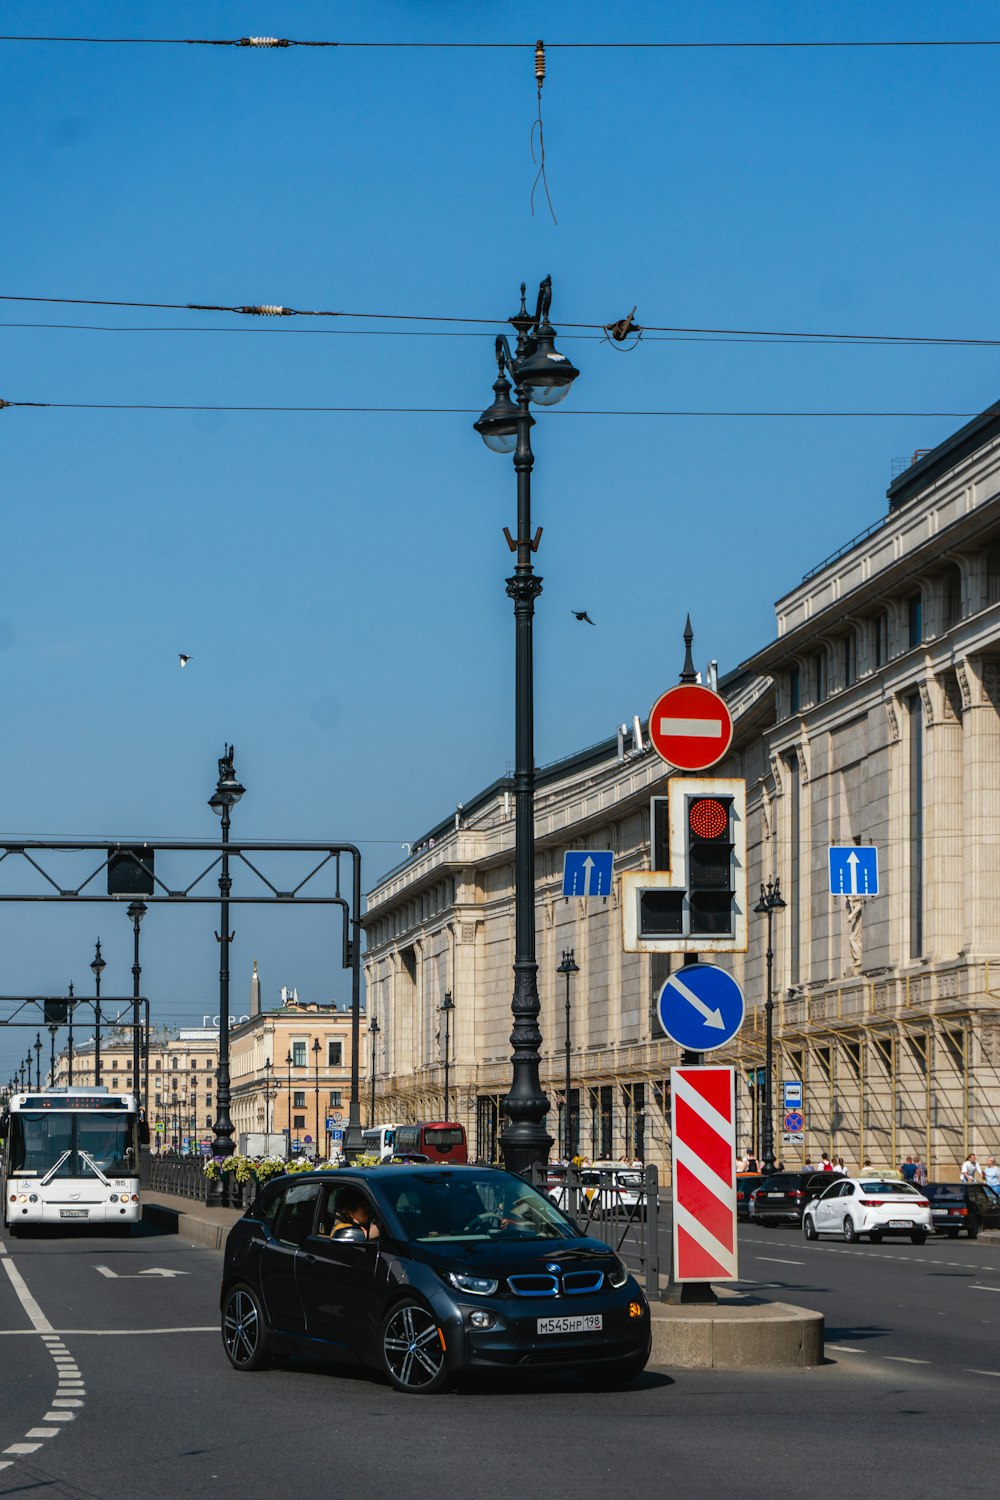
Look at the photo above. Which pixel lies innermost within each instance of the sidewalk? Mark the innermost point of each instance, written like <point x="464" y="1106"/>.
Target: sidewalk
<point x="190" y="1219"/>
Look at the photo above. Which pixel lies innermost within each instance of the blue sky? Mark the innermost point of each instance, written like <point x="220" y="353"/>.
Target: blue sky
<point x="338" y="580"/>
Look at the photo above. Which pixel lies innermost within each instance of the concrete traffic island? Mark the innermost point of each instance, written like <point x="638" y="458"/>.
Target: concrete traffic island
<point x="739" y="1332"/>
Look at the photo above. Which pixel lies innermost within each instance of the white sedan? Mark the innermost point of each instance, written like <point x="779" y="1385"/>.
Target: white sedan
<point x="853" y="1206"/>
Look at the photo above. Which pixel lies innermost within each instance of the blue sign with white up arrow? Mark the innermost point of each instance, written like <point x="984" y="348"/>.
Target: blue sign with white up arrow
<point x="587" y="872"/>
<point x="701" y="1007"/>
<point x="854" y="870"/>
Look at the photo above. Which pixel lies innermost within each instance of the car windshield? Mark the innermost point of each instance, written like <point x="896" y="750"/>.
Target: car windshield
<point x="468" y="1205"/>
<point x="71" y="1145"/>
<point x="889" y="1189"/>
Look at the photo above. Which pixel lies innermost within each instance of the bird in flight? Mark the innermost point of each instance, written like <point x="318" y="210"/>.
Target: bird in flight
<point x="581" y="614"/>
<point x="183" y="659"/>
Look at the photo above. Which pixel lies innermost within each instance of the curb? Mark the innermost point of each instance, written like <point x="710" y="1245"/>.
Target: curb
<point x="188" y="1226"/>
<point x="737" y="1334"/>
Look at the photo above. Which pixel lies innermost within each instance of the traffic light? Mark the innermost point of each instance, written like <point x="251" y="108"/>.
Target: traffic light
<point x="695" y="896"/>
<point x="710" y="848"/>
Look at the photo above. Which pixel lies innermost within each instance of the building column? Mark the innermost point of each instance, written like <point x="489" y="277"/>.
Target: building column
<point x="979" y="681"/>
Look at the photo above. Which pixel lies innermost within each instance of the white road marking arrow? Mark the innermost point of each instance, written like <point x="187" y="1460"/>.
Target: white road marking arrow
<point x="134" y="1275"/>
<point x="711" y="1018"/>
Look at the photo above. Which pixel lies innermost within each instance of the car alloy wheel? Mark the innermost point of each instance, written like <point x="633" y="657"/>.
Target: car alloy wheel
<point x="850" y="1233"/>
<point x="244" y="1332"/>
<point x="413" y="1349"/>
<point x="809" y="1227"/>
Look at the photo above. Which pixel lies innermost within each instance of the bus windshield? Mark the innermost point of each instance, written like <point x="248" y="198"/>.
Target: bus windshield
<point x="49" y="1143"/>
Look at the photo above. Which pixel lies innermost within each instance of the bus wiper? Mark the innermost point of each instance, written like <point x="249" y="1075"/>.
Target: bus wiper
<point x="92" y="1164"/>
<point x="54" y="1169"/>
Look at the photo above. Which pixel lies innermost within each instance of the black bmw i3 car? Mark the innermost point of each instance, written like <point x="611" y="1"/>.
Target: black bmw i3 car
<point x="420" y="1272"/>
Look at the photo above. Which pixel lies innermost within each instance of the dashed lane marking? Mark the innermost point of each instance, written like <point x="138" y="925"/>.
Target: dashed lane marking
<point x="774" y="1261"/>
<point x="70" y="1388"/>
<point x="108" y="1333"/>
<point x="975" y="1288"/>
<point x="845" y="1349"/>
<point x="995" y="1373"/>
<point x="901" y="1359"/>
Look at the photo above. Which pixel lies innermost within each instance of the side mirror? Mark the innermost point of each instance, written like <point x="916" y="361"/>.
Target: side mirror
<point x="351" y="1236"/>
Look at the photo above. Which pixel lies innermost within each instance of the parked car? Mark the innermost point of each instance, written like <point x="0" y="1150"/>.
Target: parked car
<point x="958" y="1206"/>
<point x="855" y="1206"/>
<point x="608" y="1187"/>
<point x="781" y="1198"/>
<point x="745" y="1184"/>
<point x="466" y="1266"/>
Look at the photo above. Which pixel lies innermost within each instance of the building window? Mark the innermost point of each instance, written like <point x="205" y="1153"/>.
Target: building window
<point x="208" y="1101"/>
<point x="299" y="1099"/>
<point x="952" y="597"/>
<point x="335" y="1098"/>
<point x="194" y="1062"/>
<point x="880" y="639"/>
<point x="819" y="676"/>
<point x="299" y="1122"/>
<point x="794" y="690"/>
<point x="916" y="825"/>
<point x="298" y="1054"/>
<point x="156" y="1066"/>
<point x="850" y="659"/>
<point x="914" y="620"/>
<point x="208" y="1121"/>
<point x="993" y="576"/>
<point x="174" y="1062"/>
<point x="334" y="1054"/>
<point x="159" y="1100"/>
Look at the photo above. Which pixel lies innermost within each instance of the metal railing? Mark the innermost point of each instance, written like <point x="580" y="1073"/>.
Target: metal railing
<point x="620" y="1206"/>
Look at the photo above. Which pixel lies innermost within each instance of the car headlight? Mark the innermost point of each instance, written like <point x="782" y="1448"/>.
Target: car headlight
<point x="480" y="1286"/>
<point x="619" y="1275"/>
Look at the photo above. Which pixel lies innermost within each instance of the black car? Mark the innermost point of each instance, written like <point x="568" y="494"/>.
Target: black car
<point x="780" y="1199"/>
<point x="422" y="1271"/>
<point x="962" y="1205"/>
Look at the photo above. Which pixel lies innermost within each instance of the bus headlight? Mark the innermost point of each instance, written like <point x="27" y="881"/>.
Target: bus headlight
<point x="114" y="1198"/>
<point x="33" y="1198"/>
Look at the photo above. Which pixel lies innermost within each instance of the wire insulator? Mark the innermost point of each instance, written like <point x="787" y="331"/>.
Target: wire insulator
<point x="268" y="310"/>
<point x="540" y="64"/>
<point x="263" y="41"/>
<point x="3" y="403"/>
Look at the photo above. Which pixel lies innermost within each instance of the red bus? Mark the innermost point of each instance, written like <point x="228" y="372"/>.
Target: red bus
<point x="433" y="1141"/>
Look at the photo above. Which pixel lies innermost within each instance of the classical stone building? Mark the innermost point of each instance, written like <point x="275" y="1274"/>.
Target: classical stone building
<point x="290" y="1070"/>
<point x="874" y="717"/>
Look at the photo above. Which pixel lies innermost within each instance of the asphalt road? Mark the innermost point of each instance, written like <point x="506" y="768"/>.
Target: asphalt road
<point x="135" y="1362"/>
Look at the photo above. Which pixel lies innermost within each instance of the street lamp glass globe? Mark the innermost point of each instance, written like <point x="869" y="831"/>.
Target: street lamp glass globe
<point x="498" y="424"/>
<point x="546" y="375"/>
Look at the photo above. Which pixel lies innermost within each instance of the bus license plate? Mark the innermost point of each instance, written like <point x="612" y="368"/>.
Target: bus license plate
<point x="74" y="1213"/>
<point x="583" y="1323"/>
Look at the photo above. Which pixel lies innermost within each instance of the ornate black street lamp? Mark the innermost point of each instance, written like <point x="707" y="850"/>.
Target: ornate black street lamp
<point x="567" y="967"/>
<point x="52" y="1056"/>
<point x="38" y="1059"/>
<point x="374" y="1031"/>
<point x="69" y="1055"/>
<point x="288" y="1139"/>
<point x="227" y="793"/>
<point x="316" y="1050"/>
<point x="770" y="902"/>
<point x="136" y="912"/>
<point x="446" y="1007"/>
<point x="540" y="374"/>
<point x="98" y="967"/>
<point x="268" y="1067"/>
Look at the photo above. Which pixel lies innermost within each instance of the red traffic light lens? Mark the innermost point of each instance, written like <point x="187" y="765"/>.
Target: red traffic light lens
<point x="708" y="818"/>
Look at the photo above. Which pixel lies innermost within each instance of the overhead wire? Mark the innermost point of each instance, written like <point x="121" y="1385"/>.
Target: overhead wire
<point x="276" y="310"/>
<point x="460" y="411"/>
<point x="274" y="42"/>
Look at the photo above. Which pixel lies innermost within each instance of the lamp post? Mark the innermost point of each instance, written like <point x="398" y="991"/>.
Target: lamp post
<point x="542" y="375"/>
<point x="98" y="967"/>
<point x="69" y="1055"/>
<point x="228" y="792"/>
<point x="770" y="902"/>
<point x="52" y="1056"/>
<point x="567" y="967"/>
<point x="288" y="1137"/>
<point x="446" y="1007"/>
<point x="38" y="1059"/>
<point x="316" y="1050"/>
<point x="374" y="1031"/>
<point x="268" y="1068"/>
<point x="136" y="912"/>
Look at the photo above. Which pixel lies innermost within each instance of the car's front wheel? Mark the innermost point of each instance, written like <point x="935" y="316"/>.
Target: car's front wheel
<point x="413" y="1349"/>
<point x="850" y="1233"/>
<point x="244" y="1331"/>
<point x="809" y="1227"/>
<point x="613" y="1377"/>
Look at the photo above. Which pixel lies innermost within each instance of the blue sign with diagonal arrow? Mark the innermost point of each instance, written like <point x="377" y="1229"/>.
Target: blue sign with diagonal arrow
<point x="701" y="1007"/>
<point x="588" y="872"/>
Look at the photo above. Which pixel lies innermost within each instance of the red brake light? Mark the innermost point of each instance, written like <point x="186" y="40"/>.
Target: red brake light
<point x="798" y="1193"/>
<point x="872" y="1202"/>
<point x="923" y="1203"/>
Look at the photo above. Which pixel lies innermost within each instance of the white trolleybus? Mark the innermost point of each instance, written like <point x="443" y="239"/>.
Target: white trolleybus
<point x="71" y="1156"/>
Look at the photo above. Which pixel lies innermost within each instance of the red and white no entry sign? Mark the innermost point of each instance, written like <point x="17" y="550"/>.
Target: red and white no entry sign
<point x="690" y="727"/>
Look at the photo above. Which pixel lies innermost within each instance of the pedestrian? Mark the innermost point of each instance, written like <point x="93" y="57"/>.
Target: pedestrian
<point x="991" y="1174"/>
<point x="867" y="1170"/>
<point x="838" y="1166"/>
<point x="825" y="1165"/>
<point x="909" y="1170"/>
<point x="970" y="1169"/>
